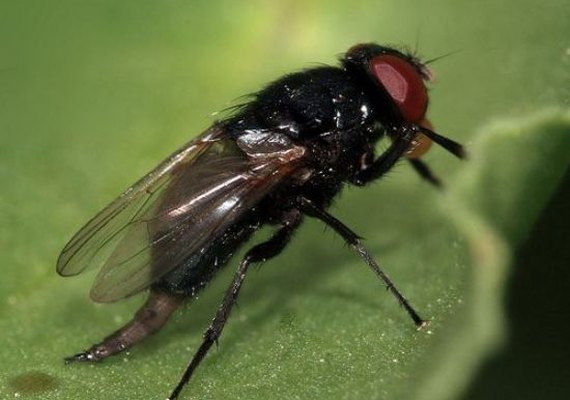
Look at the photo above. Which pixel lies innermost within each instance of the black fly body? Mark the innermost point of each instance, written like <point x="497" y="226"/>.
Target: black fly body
<point x="282" y="156"/>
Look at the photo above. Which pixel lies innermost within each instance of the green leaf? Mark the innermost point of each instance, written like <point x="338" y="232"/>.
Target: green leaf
<point x="95" y="93"/>
<point x="517" y="166"/>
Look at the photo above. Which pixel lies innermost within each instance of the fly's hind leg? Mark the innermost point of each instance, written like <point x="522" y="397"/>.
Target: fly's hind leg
<point x="259" y="253"/>
<point x="149" y="318"/>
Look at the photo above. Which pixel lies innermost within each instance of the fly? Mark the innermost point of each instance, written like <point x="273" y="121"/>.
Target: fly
<point x="277" y="159"/>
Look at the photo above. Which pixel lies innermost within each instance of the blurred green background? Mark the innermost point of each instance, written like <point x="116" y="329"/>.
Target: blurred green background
<point x="94" y="93"/>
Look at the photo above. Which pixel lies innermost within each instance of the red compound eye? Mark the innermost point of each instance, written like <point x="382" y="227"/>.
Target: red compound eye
<point x="403" y="83"/>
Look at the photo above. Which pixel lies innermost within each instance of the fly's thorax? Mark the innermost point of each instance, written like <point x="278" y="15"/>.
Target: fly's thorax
<point x="306" y="105"/>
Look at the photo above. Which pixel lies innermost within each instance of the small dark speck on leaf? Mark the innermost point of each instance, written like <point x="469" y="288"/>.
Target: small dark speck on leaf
<point x="33" y="382"/>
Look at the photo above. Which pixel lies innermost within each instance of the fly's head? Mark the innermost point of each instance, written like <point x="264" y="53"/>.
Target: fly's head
<point x="396" y="84"/>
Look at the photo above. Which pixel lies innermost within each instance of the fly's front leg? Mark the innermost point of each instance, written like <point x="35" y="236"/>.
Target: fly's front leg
<point x="371" y="172"/>
<point x="425" y="172"/>
<point x="258" y="253"/>
<point x="149" y="318"/>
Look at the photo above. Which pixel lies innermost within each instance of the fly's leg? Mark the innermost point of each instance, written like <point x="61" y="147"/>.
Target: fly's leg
<point x="354" y="242"/>
<point x="149" y="318"/>
<point x="425" y="172"/>
<point x="386" y="160"/>
<point x="258" y="253"/>
<point x="399" y="146"/>
<point x="450" y="145"/>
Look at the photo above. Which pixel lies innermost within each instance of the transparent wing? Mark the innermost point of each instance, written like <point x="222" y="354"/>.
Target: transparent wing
<point x="181" y="213"/>
<point x="90" y="245"/>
